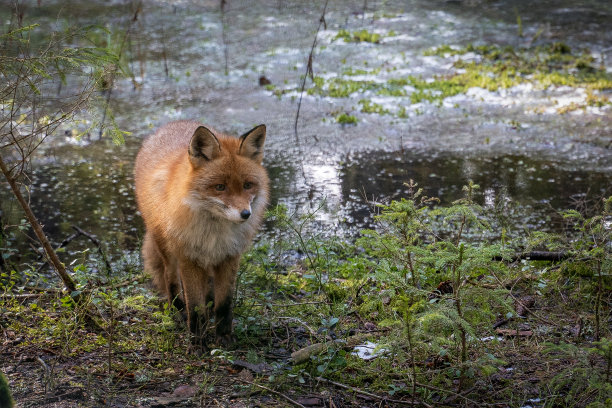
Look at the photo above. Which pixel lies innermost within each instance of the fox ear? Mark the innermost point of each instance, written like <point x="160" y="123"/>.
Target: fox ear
<point x="252" y="143"/>
<point x="204" y="145"/>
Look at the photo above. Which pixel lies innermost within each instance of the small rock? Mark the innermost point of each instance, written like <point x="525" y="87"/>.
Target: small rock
<point x="184" y="391"/>
<point x="263" y="81"/>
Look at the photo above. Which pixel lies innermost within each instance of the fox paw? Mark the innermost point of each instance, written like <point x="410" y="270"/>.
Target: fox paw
<point x="225" y="340"/>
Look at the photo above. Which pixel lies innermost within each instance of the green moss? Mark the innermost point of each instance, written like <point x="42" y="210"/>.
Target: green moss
<point x="371" y="107"/>
<point x="346" y="119"/>
<point x="402" y="112"/>
<point x="546" y="65"/>
<point x="350" y="71"/>
<point x="442" y="51"/>
<point x="339" y="87"/>
<point x="358" y="36"/>
<point x="497" y="67"/>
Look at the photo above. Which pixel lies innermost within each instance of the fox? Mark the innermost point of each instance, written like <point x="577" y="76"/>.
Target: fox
<point x="202" y="195"/>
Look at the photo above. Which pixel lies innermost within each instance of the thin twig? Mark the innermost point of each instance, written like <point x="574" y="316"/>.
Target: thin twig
<point x="369" y="394"/>
<point x="295" y="319"/>
<point x="293" y="304"/>
<point x="536" y="256"/>
<point x="432" y="388"/>
<point x="97" y="243"/>
<point x="309" y="69"/>
<point x="37" y="227"/>
<point x="224" y="37"/>
<point x="116" y="68"/>
<point x="297" y="404"/>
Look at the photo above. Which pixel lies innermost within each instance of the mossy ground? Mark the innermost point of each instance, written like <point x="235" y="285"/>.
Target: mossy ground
<point x="137" y="353"/>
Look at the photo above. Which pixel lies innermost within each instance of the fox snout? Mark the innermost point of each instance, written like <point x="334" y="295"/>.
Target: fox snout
<point x="238" y="214"/>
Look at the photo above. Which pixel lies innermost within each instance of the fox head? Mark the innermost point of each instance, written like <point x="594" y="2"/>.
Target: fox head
<point x="227" y="177"/>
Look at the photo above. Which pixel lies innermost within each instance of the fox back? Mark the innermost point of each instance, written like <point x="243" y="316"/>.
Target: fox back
<point x="202" y="196"/>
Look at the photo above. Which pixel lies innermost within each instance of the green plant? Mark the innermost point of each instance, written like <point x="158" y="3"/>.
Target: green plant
<point x="346" y="119"/>
<point x="580" y="384"/>
<point x="592" y="246"/>
<point x="424" y="254"/>
<point x="6" y="400"/>
<point x="371" y="107"/>
<point x="358" y="36"/>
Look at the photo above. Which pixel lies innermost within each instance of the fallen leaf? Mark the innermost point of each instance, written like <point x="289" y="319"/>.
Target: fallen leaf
<point x="245" y="375"/>
<point x="310" y="401"/>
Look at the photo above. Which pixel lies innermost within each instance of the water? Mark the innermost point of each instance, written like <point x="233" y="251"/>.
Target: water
<point x="524" y="155"/>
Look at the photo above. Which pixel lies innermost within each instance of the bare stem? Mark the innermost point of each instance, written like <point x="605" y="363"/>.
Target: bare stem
<point x="40" y="234"/>
<point x="309" y="69"/>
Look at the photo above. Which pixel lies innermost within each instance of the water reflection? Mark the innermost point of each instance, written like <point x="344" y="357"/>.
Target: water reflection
<point x="97" y="195"/>
<point x="534" y="189"/>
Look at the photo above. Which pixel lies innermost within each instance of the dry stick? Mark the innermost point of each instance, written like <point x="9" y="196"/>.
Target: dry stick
<point x="164" y="53"/>
<point x="459" y="395"/>
<point x="93" y="239"/>
<point x="536" y="256"/>
<point x="55" y="261"/>
<point x="25" y="295"/>
<point x="3" y="265"/>
<point x="61" y="245"/>
<point x="293" y="304"/>
<point x="308" y="70"/>
<point x="369" y="394"/>
<point x="297" y="404"/>
<point x="598" y="300"/>
<point x="455" y="396"/>
<point x="80" y="232"/>
<point x="112" y="77"/>
<point x="224" y="37"/>
<point x="110" y="337"/>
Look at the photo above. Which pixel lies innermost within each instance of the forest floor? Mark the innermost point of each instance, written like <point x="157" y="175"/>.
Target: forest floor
<point x="426" y="310"/>
<point x="139" y="356"/>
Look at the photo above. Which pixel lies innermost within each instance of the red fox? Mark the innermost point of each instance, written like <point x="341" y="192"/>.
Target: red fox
<point x="202" y="196"/>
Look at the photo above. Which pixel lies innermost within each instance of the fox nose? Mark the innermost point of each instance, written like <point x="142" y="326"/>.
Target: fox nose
<point x="245" y="214"/>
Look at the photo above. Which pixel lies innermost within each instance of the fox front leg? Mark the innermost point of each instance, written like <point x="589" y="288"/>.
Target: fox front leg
<point x="224" y="284"/>
<point x="195" y="290"/>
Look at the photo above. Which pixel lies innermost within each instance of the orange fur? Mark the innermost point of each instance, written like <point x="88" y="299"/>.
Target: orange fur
<point x="202" y="196"/>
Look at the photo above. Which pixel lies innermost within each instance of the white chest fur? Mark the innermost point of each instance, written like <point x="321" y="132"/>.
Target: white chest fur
<point x="209" y="240"/>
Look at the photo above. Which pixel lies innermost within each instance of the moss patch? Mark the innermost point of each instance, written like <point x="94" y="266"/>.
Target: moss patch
<point x="491" y="67"/>
<point x="346" y="119"/>
<point x="358" y="36"/>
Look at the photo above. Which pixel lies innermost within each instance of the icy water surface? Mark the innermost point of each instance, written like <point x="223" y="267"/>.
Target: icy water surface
<point x="513" y="142"/>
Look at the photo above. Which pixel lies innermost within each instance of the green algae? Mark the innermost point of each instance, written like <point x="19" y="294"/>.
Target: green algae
<point x="346" y="119"/>
<point x="358" y="36"/>
<point x="543" y="65"/>
<point x="371" y="107"/>
<point x="339" y="87"/>
<point x="489" y="67"/>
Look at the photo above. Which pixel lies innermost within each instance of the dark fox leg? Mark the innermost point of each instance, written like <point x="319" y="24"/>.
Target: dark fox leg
<point x="173" y="284"/>
<point x="224" y="284"/>
<point x="163" y="270"/>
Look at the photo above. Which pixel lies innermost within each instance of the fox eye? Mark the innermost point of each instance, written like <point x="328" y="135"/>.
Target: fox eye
<point x="248" y="185"/>
<point x="220" y="187"/>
